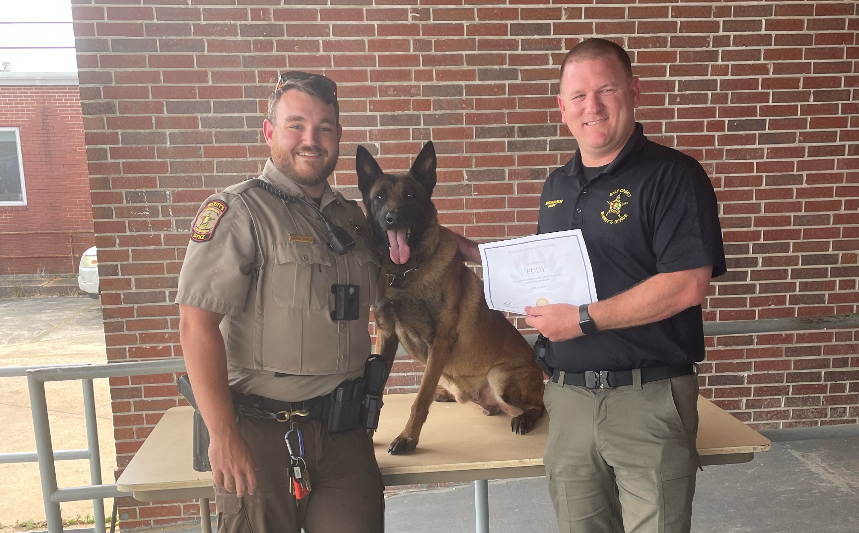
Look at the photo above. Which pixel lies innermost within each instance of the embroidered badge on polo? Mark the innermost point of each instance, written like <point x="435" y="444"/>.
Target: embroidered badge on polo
<point x="615" y="204"/>
<point x="207" y="220"/>
<point x="552" y="203"/>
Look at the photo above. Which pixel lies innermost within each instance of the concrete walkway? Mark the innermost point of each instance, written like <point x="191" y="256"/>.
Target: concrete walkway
<point x="797" y="487"/>
<point x="41" y="331"/>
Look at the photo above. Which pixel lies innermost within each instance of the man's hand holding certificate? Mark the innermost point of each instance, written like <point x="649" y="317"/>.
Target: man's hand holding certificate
<point x="550" y="268"/>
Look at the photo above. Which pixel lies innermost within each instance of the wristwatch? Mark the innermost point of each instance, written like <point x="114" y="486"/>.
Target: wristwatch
<point x="588" y="326"/>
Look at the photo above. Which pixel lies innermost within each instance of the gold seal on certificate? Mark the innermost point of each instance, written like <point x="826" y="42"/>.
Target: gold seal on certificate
<point x="542" y="301"/>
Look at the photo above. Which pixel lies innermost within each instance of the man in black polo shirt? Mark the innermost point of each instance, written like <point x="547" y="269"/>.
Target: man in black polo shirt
<point x="622" y="399"/>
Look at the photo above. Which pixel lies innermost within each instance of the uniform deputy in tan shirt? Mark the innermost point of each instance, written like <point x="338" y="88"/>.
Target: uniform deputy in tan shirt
<point x="256" y="302"/>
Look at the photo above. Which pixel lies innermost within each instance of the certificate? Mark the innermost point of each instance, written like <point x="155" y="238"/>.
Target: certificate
<point x="549" y="268"/>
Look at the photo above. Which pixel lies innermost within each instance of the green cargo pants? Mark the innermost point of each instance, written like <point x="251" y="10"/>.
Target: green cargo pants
<point x="623" y="459"/>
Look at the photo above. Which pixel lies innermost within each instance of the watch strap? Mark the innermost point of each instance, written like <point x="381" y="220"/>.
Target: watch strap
<point x="586" y="324"/>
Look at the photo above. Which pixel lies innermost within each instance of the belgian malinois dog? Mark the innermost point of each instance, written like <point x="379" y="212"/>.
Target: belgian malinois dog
<point x="428" y="300"/>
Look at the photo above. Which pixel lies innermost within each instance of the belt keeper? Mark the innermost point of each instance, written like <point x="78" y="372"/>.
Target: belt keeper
<point x="636" y="379"/>
<point x="561" y="377"/>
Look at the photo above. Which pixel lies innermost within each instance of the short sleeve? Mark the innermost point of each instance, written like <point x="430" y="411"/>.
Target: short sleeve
<point x="687" y="233"/>
<point x="217" y="270"/>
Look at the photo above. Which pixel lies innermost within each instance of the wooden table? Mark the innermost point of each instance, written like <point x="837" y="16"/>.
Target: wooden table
<point x="458" y="443"/>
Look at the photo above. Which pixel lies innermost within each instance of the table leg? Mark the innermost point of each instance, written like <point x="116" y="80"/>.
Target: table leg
<point x="205" y="518"/>
<point x="481" y="505"/>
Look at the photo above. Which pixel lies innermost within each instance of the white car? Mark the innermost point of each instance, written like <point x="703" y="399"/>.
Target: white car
<point x="88" y="273"/>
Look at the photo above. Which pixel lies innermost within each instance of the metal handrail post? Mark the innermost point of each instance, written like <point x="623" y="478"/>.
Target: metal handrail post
<point x="94" y="453"/>
<point x="481" y="505"/>
<point x="36" y="378"/>
<point x="47" y="471"/>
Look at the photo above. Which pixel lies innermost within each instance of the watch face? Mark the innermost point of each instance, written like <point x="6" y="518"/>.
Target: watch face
<point x="585" y="323"/>
<point x="588" y="327"/>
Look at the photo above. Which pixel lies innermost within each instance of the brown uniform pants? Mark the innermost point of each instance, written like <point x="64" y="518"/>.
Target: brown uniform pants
<point x="346" y="495"/>
<point x="623" y="459"/>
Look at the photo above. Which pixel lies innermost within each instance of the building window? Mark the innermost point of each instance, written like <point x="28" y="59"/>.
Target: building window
<point x="12" y="191"/>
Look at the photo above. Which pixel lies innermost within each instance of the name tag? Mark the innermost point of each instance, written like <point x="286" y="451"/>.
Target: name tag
<point x="301" y="238"/>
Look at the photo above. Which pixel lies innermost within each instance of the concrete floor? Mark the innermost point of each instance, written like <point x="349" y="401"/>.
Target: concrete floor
<point x="40" y="331"/>
<point x="797" y="487"/>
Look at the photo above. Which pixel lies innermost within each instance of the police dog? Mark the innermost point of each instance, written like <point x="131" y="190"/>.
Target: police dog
<point x="428" y="300"/>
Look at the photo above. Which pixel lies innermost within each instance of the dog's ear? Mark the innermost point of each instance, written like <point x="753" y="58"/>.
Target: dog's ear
<point x="423" y="169"/>
<point x="367" y="168"/>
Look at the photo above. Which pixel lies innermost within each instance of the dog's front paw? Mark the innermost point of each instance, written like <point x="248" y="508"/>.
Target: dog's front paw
<point x="402" y="445"/>
<point x="522" y="424"/>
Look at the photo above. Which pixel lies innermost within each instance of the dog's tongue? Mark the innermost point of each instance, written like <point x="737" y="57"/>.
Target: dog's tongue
<point x="399" y="247"/>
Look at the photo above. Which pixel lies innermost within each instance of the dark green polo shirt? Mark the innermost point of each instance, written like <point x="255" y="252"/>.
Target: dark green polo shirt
<point x="652" y="210"/>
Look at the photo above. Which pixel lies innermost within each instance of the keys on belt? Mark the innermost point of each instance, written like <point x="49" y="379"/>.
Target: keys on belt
<point x="300" y="486"/>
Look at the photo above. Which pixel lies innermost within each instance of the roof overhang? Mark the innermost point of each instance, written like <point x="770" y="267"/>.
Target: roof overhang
<point x="38" y="78"/>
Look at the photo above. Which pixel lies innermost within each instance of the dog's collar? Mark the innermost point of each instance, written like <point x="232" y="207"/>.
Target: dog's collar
<point x="396" y="280"/>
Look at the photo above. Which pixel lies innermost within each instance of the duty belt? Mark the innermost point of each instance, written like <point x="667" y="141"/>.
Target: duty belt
<point x="259" y="407"/>
<point x="608" y="379"/>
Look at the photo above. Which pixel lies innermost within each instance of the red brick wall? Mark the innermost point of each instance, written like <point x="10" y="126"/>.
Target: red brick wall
<point x="764" y="94"/>
<point x="49" y="234"/>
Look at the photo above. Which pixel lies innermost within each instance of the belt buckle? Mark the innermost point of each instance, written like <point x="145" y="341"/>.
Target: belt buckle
<point x="604" y="381"/>
<point x="598" y="380"/>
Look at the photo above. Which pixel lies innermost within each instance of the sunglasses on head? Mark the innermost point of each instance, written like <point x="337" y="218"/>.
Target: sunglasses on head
<point x="295" y="75"/>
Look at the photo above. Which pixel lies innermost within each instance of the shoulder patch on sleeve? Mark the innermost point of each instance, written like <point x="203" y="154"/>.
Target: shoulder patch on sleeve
<point x="206" y="222"/>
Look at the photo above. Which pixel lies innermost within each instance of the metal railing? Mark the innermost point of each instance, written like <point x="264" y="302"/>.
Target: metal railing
<point x="38" y="376"/>
<point x="52" y="495"/>
<point x="31" y="457"/>
<point x="92" y="451"/>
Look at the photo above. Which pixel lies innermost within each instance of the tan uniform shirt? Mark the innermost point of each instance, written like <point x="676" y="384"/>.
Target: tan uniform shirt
<point x="277" y="300"/>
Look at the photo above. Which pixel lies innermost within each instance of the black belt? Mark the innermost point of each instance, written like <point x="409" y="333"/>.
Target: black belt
<point x="607" y="379"/>
<point x="261" y="407"/>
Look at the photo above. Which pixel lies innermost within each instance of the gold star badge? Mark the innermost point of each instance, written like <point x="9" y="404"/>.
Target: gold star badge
<point x="615" y="205"/>
<point x="613" y="215"/>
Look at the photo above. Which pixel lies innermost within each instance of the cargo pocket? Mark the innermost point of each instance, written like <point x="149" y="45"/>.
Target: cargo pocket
<point x="231" y="514"/>
<point x="300" y="275"/>
<point x="675" y="502"/>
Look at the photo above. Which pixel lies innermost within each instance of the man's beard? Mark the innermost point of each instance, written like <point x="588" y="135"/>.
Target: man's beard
<point x="308" y="179"/>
